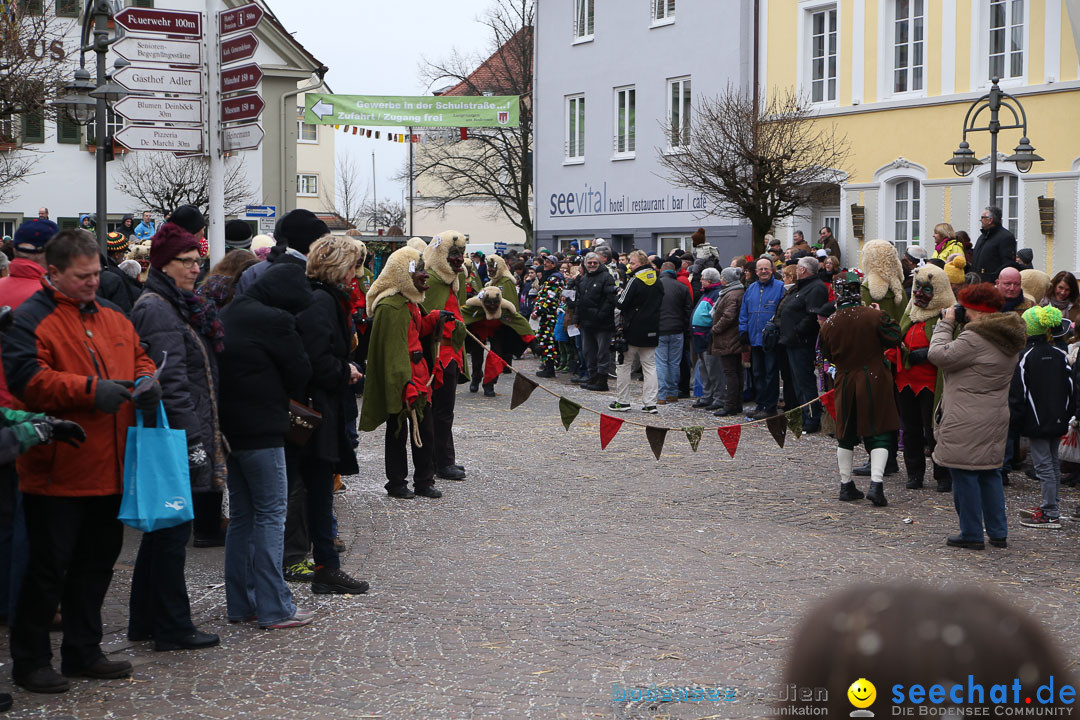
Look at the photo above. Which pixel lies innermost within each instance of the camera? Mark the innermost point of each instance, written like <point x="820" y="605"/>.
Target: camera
<point x="960" y="313"/>
<point x="619" y="344"/>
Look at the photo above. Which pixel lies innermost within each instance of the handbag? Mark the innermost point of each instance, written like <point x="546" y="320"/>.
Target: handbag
<point x="157" y="480"/>
<point x="302" y="423"/>
<point x="1069" y="449"/>
<point x="770" y="336"/>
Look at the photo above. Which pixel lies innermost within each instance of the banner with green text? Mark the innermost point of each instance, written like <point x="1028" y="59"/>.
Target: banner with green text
<point x="403" y="111"/>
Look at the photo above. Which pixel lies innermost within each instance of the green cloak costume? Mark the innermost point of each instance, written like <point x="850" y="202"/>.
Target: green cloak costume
<point x="388" y="365"/>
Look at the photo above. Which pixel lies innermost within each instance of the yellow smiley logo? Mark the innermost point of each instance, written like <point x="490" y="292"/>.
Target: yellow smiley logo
<point x="862" y="693"/>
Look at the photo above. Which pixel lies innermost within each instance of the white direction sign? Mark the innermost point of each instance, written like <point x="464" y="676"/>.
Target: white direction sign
<point x="242" y="137"/>
<point x="155" y="50"/>
<point x="172" y="139"/>
<point x="156" y="109"/>
<point x="143" y="79"/>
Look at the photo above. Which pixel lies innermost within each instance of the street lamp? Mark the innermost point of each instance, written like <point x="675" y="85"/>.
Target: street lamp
<point x="963" y="161"/>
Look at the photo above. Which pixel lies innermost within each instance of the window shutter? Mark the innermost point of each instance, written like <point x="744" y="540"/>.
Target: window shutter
<point x="67" y="8"/>
<point x="67" y="223"/>
<point x="68" y="131"/>
<point x="32" y="7"/>
<point x="142" y="3"/>
<point x="33" y="127"/>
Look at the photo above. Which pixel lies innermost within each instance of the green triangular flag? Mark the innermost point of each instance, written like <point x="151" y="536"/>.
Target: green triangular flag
<point x="523" y="388"/>
<point x="693" y="434"/>
<point x="656" y="437"/>
<point x="778" y="427"/>
<point x="794" y="421"/>
<point x="568" y="410"/>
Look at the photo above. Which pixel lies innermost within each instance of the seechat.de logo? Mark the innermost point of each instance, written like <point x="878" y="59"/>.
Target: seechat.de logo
<point x="862" y="694"/>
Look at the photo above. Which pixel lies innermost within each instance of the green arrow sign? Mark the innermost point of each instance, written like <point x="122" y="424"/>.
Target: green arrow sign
<point x="422" y="111"/>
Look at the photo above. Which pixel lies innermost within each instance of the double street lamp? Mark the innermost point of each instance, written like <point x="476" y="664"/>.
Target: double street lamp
<point x="963" y="161"/>
<point x="87" y="101"/>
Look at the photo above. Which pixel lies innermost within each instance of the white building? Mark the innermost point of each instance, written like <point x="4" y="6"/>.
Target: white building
<point x="63" y="178"/>
<point x="611" y="77"/>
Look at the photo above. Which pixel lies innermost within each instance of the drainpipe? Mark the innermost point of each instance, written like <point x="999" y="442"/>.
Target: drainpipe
<point x="321" y="74"/>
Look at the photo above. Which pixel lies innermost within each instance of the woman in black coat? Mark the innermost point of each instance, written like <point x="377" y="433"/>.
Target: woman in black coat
<point x="329" y="336"/>
<point x="182" y="332"/>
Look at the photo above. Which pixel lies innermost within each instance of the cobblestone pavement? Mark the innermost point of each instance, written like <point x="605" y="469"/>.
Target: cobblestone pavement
<point x="557" y="570"/>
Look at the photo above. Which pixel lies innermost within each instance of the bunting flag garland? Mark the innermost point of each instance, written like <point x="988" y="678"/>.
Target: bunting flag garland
<point x="693" y="434"/>
<point x="656" y="436"/>
<point x="493" y="366"/>
<point x="523" y="388"/>
<point x="777" y="428"/>
<point x="729" y="436"/>
<point x="794" y="422"/>
<point x="609" y="427"/>
<point x="828" y="401"/>
<point x="569" y="410"/>
<point x="464" y="133"/>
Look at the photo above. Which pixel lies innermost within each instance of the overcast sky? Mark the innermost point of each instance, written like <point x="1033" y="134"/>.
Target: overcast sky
<point x="374" y="47"/>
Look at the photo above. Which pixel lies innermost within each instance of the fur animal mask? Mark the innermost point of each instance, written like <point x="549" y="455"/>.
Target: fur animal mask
<point x="396" y="278"/>
<point x="497" y="269"/>
<point x="883" y="270"/>
<point x="438" y="250"/>
<point x="927" y="277"/>
<point x="491" y="300"/>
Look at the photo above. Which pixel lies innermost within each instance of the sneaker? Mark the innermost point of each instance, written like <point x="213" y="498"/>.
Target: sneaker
<point x="661" y="401"/>
<point x="999" y="542"/>
<point x="299" y="572"/>
<point x="299" y="619"/>
<point x="1029" y="512"/>
<point x="672" y="398"/>
<point x="618" y="407"/>
<point x="1039" y="519"/>
<point x="42" y="680"/>
<point x="335" y="581"/>
<point x="650" y="409"/>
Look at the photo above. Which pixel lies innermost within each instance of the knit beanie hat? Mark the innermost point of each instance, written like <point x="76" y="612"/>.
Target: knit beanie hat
<point x="238" y="234"/>
<point x="188" y="217"/>
<point x="33" y="234"/>
<point x="1041" y="319"/>
<point x="1026" y="254"/>
<point x="168" y="242"/>
<point x="299" y="229"/>
<point x="954" y="269"/>
<point x="731" y="275"/>
<point x="116" y="242"/>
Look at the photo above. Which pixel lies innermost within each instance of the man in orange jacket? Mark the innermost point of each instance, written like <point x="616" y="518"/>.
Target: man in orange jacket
<point x="70" y="356"/>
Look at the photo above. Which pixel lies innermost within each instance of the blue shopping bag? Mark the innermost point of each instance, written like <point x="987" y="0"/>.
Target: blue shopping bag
<point x="157" y="481"/>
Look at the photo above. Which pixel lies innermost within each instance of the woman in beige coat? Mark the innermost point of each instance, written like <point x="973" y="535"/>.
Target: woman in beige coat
<point x="973" y="418"/>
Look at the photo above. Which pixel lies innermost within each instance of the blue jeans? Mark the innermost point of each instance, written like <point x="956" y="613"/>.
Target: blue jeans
<point x="668" y="359"/>
<point x="979" y="498"/>
<point x="766" y="378"/>
<point x="801" y="360"/>
<point x="254" y="544"/>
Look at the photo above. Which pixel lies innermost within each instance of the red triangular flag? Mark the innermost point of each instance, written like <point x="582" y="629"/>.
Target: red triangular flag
<point x="416" y="138"/>
<point x="346" y="129"/>
<point x="828" y="400"/>
<point x="609" y="426"/>
<point x="493" y="365"/>
<point x="355" y="130"/>
<point x="464" y="133"/>
<point x="729" y="435"/>
<point x="369" y="133"/>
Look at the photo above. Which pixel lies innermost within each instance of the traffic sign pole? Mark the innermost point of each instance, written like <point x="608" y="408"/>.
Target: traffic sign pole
<point x="215" y="231"/>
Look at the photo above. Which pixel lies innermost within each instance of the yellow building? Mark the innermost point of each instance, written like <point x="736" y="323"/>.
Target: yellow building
<point x="898" y="76"/>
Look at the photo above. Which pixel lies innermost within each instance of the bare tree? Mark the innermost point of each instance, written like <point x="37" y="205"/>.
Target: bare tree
<point x="350" y="191"/>
<point x="760" y="160"/>
<point x="385" y="214"/>
<point x="162" y="182"/>
<point x="15" y="166"/>
<point x="494" y="164"/>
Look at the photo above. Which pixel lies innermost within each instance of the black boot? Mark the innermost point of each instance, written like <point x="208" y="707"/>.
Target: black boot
<point x="849" y="492"/>
<point x="599" y="384"/>
<point x="489" y="391"/>
<point x="914" y="482"/>
<point x="944" y="485"/>
<point x="474" y="384"/>
<point x="876" y="494"/>
<point x="891" y="468"/>
<point x="548" y="371"/>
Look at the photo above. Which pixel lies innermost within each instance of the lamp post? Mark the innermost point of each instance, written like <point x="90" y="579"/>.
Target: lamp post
<point x="963" y="161"/>
<point x="88" y="101"/>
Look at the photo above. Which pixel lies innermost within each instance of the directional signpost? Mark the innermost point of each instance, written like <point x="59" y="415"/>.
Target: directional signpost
<point x="168" y="80"/>
<point x="165" y="22"/>
<point x="159" y="50"/>
<point x="244" y="17"/>
<point x="242" y="137"/>
<point x="417" y="111"/>
<point x="165" y="110"/>
<point x="241" y="47"/>
<point x="244" y="77"/>
<point x="149" y="137"/>
<point x="241" y="107"/>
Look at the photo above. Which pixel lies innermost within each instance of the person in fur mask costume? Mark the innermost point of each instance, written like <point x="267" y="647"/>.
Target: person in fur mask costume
<point x="918" y="381"/>
<point x="398" y="387"/>
<point x="854" y="339"/>
<point x="505" y="342"/>
<point x="883" y="282"/>
<point x="491" y="316"/>
<point x="444" y="259"/>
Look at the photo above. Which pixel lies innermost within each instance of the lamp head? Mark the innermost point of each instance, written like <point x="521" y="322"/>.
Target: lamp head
<point x="1024" y="155"/>
<point x="963" y="161"/>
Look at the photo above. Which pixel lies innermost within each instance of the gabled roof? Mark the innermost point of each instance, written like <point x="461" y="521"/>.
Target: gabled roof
<point x="493" y="75"/>
<point x="335" y="222"/>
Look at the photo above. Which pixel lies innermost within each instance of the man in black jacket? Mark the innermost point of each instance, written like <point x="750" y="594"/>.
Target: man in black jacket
<point x="798" y="334"/>
<point x="674" y="322"/>
<point x="638" y="321"/>
<point x="996" y="246"/>
<point x="115" y="285"/>
<point x="594" y="312"/>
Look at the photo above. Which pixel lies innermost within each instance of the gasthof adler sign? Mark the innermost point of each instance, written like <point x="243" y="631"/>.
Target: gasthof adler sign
<point x="422" y="111"/>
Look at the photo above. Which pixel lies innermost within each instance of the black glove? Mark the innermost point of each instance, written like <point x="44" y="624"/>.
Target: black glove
<point x="43" y="429"/>
<point x="534" y="347"/>
<point x="66" y="431"/>
<point x="744" y="338"/>
<point x="446" y="316"/>
<point x="111" y="394"/>
<point x="918" y="357"/>
<point x="147" y="394"/>
<point x="197" y="457"/>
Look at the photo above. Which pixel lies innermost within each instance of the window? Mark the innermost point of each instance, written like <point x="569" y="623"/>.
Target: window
<point x="575" y="127"/>
<point x="32" y="7"/>
<point x="305" y="133"/>
<point x="68" y="8"/>
<point x="909" y="46"/>
<point x="670" y="242"/>
<point x="113" y="124"/>
<point x="8" y="134"/>
<point x="583" y="19"/>
<point x="1007" y="197"/>
<point x="1006" y="38"/>
<point x="823" y="55"/>
<point x="624" y="121"/>
<point x="307" y="185"/>
<point x="8" y="225"/>
<point x="907" y="214"/>
<point x="663" y="11"/>
<point x="679" y="112"/>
